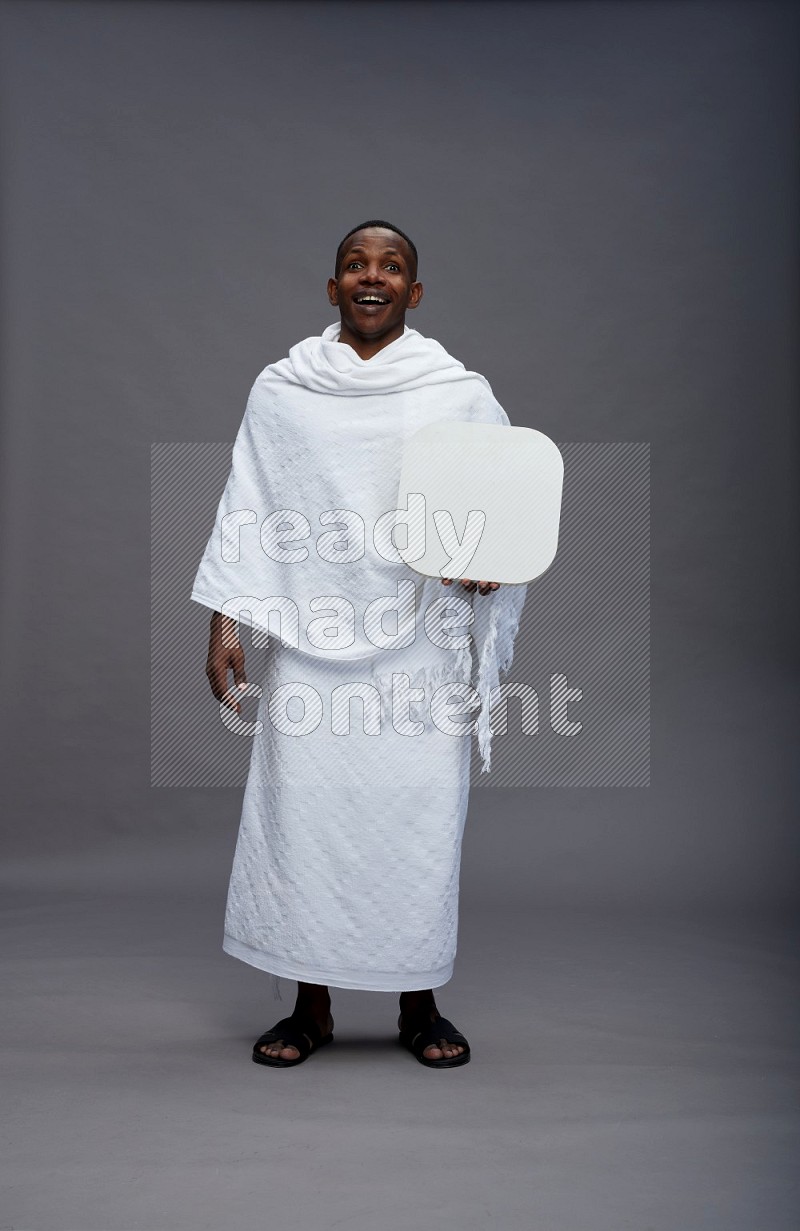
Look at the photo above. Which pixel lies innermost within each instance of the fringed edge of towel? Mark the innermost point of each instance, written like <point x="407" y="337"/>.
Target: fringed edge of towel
<point x="495" y="630"/>
<point x="457" y="668"/>
<point x="493" y="633"/>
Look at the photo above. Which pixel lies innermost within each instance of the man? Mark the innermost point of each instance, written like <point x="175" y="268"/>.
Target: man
<point x="339" y="854"/>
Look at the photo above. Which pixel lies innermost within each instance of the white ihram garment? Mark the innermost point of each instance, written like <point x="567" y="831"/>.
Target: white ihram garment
<point x="347" y="860"/>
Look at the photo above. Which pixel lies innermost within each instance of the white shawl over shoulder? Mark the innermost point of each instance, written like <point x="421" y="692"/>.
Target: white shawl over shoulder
<point x="316" y="459"/>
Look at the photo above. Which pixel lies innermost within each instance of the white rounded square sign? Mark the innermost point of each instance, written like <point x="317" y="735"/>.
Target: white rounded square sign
<point x="488" y="497"/>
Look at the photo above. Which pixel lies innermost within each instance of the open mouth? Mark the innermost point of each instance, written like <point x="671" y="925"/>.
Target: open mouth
<point x="370" y="301"/>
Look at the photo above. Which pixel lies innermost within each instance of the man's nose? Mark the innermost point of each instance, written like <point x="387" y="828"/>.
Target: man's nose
<point x="372" y="275"/>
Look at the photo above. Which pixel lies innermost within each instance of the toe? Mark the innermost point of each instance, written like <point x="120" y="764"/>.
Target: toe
<point x="277" y="1051"/>
<point x="446" y="1050"/>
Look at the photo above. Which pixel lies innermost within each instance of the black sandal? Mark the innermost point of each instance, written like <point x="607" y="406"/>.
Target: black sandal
<point x="300" y="1032"/>
<point x="416" y="1039"/>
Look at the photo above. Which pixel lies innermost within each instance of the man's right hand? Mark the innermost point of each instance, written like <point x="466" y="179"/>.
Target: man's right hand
<point x="225" y="654"/>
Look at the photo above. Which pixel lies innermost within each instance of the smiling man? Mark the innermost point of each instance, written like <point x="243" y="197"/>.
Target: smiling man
<point x="375" y="283"/>
<point x="347" y="860"/>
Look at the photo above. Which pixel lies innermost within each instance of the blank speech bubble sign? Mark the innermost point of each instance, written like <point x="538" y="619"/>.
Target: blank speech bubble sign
<point x="490" y="496"/>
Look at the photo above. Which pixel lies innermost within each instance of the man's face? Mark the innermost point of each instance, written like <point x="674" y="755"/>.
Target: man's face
<point x="375" y="285"/>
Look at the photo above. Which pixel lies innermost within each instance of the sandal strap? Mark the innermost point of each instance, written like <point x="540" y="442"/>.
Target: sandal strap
<point x="302" y="1033"/>
<point x="431" y="1033"/>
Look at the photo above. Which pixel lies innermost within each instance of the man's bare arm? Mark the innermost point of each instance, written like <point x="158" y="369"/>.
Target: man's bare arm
<point x="225" y="654"/>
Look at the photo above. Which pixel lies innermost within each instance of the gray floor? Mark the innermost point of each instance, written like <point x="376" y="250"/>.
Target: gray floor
<point x="628" y="1072"/>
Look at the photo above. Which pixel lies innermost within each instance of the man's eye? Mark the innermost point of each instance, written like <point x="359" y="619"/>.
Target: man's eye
<point x="393" y="266"/>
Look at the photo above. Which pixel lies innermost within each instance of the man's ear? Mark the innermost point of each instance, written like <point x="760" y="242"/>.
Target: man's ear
<point x="414" y="294"/>
<point x="333" y="291"/>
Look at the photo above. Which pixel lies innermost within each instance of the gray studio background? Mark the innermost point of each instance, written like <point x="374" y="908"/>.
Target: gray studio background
<point x="604" y="198"/>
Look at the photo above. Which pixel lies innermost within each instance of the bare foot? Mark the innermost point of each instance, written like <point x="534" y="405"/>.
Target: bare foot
<point x="277" y="1050"/>
<point x="423" y="1013"/>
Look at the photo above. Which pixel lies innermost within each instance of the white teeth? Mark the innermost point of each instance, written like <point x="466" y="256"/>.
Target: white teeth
<point x="370" y="299"/>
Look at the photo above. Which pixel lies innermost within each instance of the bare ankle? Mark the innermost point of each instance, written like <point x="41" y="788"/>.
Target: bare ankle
<point x="313" y="998"/>
<point x="417" y="1002"/>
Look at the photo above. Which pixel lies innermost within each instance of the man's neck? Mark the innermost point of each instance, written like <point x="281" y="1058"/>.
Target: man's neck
<point x="367" y="348"/>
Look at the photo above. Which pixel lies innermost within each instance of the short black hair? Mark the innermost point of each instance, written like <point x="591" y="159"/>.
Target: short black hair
<point x="388" y="226"/>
